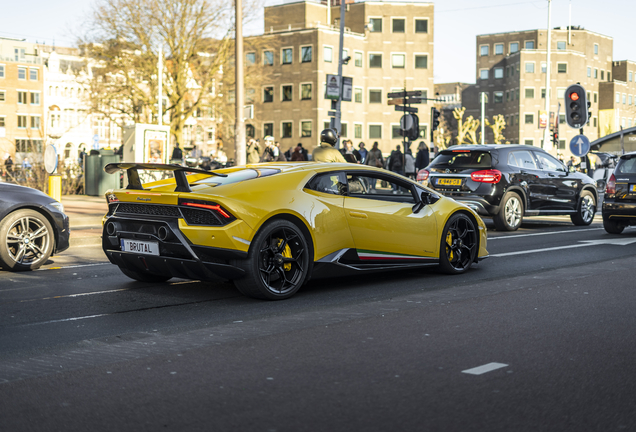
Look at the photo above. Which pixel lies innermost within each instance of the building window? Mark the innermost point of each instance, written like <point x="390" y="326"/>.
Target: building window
<point x="268" y="94"/>
<point x="287" y="55"/>
<point x="1" y="71"/>
<point x="560" y="93"/>
<point x="499" y="73"/>
<point x="595" y="49"/>
<point x="630" y="100"/>
<point x="35" y="98"/>
<point x="305" y="129"/>
<point x="630" y="75"/>
<point x="562" y="68"/>
<point x="421" y="62"/>
<point x="22" y="72"/>
<point x="624" y="98"/>
<point x="483" y="74"/>
<point x="602" y="74"/>
<point x="398" y="25"/>
<point x="530" y="67"/>
<point x="33" y="74"/>
<point x="22" y="121"/>
<point x="498" y="97"/>
<point x="357" y="58"/>
<point x="375" y="25"/>
<point x="608" y="76"/>
<point x="375" y="60"/>
<point x="595" y="97"/>
<point x="22" y="97"/>
<point x="529" y="118"/>
<point x="421" y="26"/>
<point x="357" y="130"/>
<point x="514" y="47"/>
<point x="589" y="72"/>
<point x="305" y="91"/>
<point x="250" y="58"/>
<point x="375" y="96"/>
<point x="327" y="54"/>
<point x="2" y="95"/>
<point x="287" y="93"/>
<point x="306" y="54"/>
<point x="286" y="129"/>
<point x="499" y="49"/>
<point x="561" y="45"/>
<point x="35" y="122"/>
<point x="595" y="73"/>
<point x="268" y="58"/>
<point x="530" y="45"/>
<point x="396" y="132"/>
<point x="528" y="142"/>
<point x="357" y="95"/>
<point x="483" y="50"/>
<point x="344" y="130"/>
<point x="517" y="94"/>
<point x="268" y="129"/>
<point x="2" y="122"/>
<point x="397" y="61"/>
<point x="375" y="131"/>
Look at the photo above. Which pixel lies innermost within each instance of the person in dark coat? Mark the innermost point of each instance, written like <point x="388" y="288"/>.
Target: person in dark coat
<point x="422" y="159"/>
<point x="396" y="161"/>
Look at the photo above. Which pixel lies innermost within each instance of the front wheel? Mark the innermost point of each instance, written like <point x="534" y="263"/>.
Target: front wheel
<point x="277" y="264"/>
<point x="458" y="249"/>
<point x="27" y="240"/>
<point x="585" y="209"/>
<point x="510" y="213"/>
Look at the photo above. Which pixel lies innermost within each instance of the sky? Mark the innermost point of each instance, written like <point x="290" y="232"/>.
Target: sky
<point x="456" y="23"/>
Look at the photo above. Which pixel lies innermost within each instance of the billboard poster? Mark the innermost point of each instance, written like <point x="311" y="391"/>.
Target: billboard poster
<point x="347" y="88"/>
<point x="333" y="87"/>
<point x="543" y="119"/>
<point x="155" y="145"/>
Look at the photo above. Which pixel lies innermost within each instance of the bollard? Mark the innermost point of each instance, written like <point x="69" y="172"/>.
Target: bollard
<point x="55" y="187"/>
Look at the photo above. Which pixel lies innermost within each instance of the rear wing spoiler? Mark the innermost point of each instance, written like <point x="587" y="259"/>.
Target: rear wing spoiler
<point x="179" y="172"/>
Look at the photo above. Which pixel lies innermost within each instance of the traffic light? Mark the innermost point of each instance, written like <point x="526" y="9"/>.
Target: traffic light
<point x="555" y="138"/>
<point x="576" y="113"/>
<point x="435" y="118"/>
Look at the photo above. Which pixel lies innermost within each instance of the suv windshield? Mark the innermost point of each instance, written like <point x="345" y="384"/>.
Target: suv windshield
<point x="627" y="165"/>
<point x="463" y="159"/>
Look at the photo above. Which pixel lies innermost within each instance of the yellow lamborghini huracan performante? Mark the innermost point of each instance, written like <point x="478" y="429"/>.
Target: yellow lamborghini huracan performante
<point x="268" y="227"/>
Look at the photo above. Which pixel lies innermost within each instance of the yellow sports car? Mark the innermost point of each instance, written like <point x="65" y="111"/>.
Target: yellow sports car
<point x="269" y="226"/>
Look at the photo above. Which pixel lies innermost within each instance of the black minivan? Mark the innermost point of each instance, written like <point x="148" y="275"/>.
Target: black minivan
<point x="619" y="201"/>
<point x="507" y="182"/>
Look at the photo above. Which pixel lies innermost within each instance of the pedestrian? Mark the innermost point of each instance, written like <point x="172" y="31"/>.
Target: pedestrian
<point x="326" y="152"/>
<point x="304" y="151"/>
<point x="177" y="154"/>
<point x="396" y="161"/>
<point x="409" y="164"/>
<point x="297" y="154"/>
<point x="350" y="154"/>
<point x="280" y="156"/>
<point x="195" y="152"/>
<point x="268" y="153"/>
<point x="8" y="164"/>
<point x="423" y="158"/>
<point x="253" y="152"/>
<point x="363" y="153"/>
<point x="374" y="157"/>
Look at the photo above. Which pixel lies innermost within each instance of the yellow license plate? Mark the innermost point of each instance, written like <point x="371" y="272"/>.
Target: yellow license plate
<point x="633" y="188"/>
<point x="449" y="182"/>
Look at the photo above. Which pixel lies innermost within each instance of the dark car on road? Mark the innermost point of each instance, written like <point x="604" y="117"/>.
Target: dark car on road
<point x="619" y="202"/>
<point x="507" y="182"/>
<point x="33" y="226"/>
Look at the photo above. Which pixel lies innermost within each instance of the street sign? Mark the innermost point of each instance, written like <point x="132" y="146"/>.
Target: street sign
<point x="403" y="94"/>
<point x="580" y="145"/>
<point x="50" y="159"/>
<point x="405" y="101"/>
<point x="347" y="88"/>
<point x="406" y="122"/>
<point x="333" y="87"/>
<point x="405" y="109"/>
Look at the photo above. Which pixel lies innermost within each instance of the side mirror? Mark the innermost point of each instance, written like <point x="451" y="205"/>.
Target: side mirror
<point x="426" y="198"/>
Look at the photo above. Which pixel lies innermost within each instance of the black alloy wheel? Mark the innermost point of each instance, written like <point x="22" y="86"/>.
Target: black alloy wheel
<point x="585" y="209"/>
<point x="277" y="264"/>
<point x="27" y="240"/>
<point x="459" y="244"/>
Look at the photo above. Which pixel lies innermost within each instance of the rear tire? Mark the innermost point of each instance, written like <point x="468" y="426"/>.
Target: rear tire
<point x="613" y="227"/>
<point x="459" y="244"/>
<point x="585" y="209"/>
<point x="144" y="277"/>
<point x="510" y="213"/>
<point x="278" y="262"/>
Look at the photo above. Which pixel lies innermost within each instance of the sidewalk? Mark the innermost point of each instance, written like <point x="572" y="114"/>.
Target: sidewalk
<point x="85" y="214"/>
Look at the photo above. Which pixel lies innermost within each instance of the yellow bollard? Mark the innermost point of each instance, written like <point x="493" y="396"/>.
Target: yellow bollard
<point x="55" y="187"/>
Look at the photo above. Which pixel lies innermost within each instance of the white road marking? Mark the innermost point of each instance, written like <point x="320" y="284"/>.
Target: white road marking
<point x="484" y="368"/>
<point x="543" y="233"/>
<point x="66" y="319"/>
<point x="583" y="243"/>
<point x="73" y="266"/>
<point x="76" y="295"/>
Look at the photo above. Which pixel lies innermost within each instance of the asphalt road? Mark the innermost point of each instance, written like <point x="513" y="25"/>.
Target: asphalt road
<point x="539" y="337"/>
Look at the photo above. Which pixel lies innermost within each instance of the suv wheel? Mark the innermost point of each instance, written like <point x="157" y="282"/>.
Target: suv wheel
<point x="510" y="213"/>
<point x="585" y="209"/>
<point x="613" y="227"/>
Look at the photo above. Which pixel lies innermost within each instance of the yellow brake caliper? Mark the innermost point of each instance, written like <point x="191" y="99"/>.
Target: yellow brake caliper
<point x="287" y="254"/>
<point x="449" y="243"/>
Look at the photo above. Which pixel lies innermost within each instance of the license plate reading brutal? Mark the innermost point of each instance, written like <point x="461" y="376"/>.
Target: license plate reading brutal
<point x="449" y="182"/>
<point x="144" y="247"/>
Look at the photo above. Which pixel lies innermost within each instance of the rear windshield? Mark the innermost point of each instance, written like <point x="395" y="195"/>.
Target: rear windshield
<point x="460" y="159"/>
<point x="238" y="176"/>
<point x="627" y="166"/>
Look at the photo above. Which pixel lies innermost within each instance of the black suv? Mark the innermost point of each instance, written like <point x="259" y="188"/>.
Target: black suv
<point x="507" y="182"/>
<point x="619" y="202"/>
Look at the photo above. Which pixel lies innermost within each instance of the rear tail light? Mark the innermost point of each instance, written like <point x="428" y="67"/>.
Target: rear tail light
<point x="422" y="175"/>
<point x="610" y="189"/>
<point x="486" y="176"/>
<point x="223" y="215"/>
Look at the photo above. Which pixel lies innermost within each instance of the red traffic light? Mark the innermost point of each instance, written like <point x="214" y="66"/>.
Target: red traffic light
<point x="574" y="96"/>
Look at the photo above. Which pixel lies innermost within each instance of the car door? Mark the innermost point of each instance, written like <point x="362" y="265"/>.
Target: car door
<point x="379" y="210"/>
<point x="527" y="175"/>
<point x="560" y="186"/>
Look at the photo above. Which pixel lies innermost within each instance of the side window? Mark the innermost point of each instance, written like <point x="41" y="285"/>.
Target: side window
<point x="379" y="187"/>
<point x="521" y="159"/>
<point x="330" y="183"/>
<point x="549" y="163"/>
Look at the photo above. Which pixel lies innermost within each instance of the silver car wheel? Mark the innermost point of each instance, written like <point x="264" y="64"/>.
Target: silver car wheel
<point x="512" y="211"/>
<point x="587" y="208"/>
<point x="27" y="241"/>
